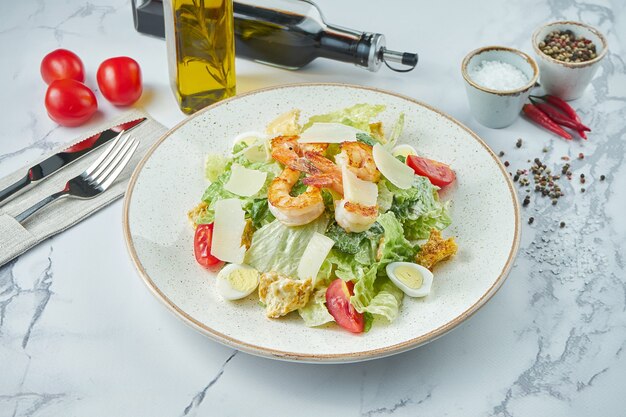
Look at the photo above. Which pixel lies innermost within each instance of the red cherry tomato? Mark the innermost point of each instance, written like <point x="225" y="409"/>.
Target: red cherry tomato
<point x="438" y="173"/>
<point x="338" y="305"/>
<point x="70" y="103"/>
<point x="119" y="80"/>
<point x="62" y="64"/>
<point x="202" y="245"/>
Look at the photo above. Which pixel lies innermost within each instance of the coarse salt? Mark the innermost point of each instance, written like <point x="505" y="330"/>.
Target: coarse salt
<point x="497" y="75"/>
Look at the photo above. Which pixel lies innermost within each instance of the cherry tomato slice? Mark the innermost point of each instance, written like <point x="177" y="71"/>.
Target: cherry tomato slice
<point x="202" y="245"/>
<point x="119" y="80"/>
<point x="438" y="173"/>
<point x="62" y="64"/>
<point x="69" y="102"/>
<point x="338" y="305"/>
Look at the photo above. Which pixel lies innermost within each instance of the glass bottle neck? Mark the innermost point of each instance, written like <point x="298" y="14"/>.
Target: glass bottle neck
<point x="347" y="45"/>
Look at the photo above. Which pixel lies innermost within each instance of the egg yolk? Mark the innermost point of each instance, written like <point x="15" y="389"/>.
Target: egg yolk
<point x="243" y="280"/>
<point x="411" y="277"/>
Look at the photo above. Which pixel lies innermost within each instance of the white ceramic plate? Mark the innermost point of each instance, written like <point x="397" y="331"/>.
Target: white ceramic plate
<point x="170" y="180"/>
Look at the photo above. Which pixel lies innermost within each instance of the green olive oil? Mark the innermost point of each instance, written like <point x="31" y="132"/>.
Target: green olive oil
<point x="201" y="51"/>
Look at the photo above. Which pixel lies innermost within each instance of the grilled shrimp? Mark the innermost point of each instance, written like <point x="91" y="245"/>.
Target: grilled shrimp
<point x="324" y="174"/>
<point x="354" y="217"/>
<point x="357" y="156"/>
<point x="290" y="210"/>
<point x="287" y="151"/>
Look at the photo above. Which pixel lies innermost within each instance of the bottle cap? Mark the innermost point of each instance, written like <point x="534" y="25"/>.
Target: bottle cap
<point x="405" y="58"/>
<point x="372" y="52"/>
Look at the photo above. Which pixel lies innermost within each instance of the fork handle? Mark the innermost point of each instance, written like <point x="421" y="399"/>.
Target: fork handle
<point x="35" y="208"/>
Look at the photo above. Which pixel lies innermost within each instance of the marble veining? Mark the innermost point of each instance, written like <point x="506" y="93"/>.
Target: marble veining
<point x="199" y="397"/>
<point x="81" y="335"/>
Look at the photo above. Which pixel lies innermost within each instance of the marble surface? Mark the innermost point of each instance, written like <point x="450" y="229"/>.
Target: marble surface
<point x="80" y="334"/>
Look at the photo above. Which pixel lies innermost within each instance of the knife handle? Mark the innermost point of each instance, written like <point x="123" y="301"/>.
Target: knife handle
<point x="15" y="187"/>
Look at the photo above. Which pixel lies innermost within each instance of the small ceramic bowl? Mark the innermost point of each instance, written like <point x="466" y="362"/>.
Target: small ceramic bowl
<point x="494" y="108"/>
<point x="568" y="80"/>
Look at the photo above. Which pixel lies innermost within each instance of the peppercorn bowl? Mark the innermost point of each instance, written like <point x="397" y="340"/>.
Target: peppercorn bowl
<point x="496" y="100"/>
<point x="570" y="58"/>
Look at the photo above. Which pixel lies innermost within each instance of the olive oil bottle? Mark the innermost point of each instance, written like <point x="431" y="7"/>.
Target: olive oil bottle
<point x="292" y="33"/>
<point x="201" y="51"/>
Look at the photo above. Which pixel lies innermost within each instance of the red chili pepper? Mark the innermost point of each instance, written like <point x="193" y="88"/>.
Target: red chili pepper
<point x="562" y="104"/>
<point x="543" y="120"/>
<point x="559" y="118"/>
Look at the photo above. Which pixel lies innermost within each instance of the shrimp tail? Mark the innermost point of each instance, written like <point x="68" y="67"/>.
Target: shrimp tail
<point x="324" y="181"/>
<point x="319" y="181"/>
<point x="304" y="165"/>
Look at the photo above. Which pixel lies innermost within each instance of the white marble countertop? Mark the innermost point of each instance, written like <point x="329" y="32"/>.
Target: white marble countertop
<point x="81" y="336"/>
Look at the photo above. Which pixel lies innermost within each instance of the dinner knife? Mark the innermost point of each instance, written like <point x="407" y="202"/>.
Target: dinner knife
<point x="62" y="159"/>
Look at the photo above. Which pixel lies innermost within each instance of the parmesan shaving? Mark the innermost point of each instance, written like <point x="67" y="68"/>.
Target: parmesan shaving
<point x="399" y="174"/>
<point x="228" y="228"/>
<point x="245" y="182"/>
<point x="329" y="133"/>
<point x="314" y="255"/>
<point x="356" y="190"/>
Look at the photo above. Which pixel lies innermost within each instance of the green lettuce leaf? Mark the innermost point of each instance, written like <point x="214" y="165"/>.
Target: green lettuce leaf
<point x="395" y="247"/>
<point x="419" y="208"/>
<point x="299" y="187"/>
<point x="396" y="131"/>
<point x="347" y="267"/>
<point x="369" y="320"/>
<point x="258" y="211"/>
<point x="325" y="274"/>
<point x="239" y="146"/>
<point x="387" y="301"/>
<point x="279" y="248"/>
<point x="385" y="197"/>
<point x="357" y="116"/>
<point x="315" y="312"/>
<point x="329" y="201"/>
<point x="366" y="139"/>
<point x="214" y="166"/>
<point x="351" y="242"/>
<point x="364" y="289"/>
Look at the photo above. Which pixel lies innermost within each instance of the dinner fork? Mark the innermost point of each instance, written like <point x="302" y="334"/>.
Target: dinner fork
<point x="95" y="179"/>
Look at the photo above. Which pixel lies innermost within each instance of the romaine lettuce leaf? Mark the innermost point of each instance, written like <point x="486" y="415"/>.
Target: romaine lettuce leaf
<point x="351" y="242"/>
<point x="383" y="298"/>
<point x="315" y="312"/>
<point x="419" y="208"/>
<point x="346" y="265"/>
<point x="214" y="166"/>
<point x="364" y="289"/>
<point x="366" y="139"/>
<point x="324" y="275"/>
<point x="394" y="247"/>
<point x="258" y="211"/>
<point x="385" y="197"/>
<point x="279" y="248"/>
<point x="386" y="303"/>
<point x="357" y="116"/>
<point x="329" y="200"/>
<point x="396" y="131"/>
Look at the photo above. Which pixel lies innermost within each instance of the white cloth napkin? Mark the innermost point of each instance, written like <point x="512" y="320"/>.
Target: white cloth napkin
<point x="16" y="238"/>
